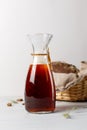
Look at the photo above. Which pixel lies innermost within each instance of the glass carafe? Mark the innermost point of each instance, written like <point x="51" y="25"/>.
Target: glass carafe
<point x="40" y="87"/>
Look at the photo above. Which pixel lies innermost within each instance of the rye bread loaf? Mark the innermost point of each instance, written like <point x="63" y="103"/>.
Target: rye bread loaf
<point x="63" y="67"/>
<point x="64" y="74"/>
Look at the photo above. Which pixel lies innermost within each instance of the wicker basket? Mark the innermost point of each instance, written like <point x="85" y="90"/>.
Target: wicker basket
<point x="75" y="93"/>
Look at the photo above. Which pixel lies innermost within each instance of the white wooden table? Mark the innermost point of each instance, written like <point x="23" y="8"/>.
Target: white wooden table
<point x="16" y="118"/>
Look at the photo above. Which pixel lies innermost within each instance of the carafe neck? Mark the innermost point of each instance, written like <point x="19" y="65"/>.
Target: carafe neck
<point x="40" y="42"/>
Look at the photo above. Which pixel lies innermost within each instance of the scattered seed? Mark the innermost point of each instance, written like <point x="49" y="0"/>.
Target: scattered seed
<point x="9" y="104"/>
<point x="66" y="115"/>
<point x="23" y="103"/>
<point x="74" y="108"/>
<point x="13" y="101"/>
<point x="19" y="100"/>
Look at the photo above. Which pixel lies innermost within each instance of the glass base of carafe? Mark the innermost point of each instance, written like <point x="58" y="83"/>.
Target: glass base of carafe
<point x="41" y="112"/>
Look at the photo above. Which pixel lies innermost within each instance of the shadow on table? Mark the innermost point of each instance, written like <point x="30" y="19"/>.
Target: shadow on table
<point x="70" y="106"/>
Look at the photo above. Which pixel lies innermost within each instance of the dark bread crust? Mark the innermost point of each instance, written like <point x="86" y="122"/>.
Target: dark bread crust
<point x="63" y="67"/>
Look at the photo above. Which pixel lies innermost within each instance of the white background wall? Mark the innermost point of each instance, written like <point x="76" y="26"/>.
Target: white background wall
<point x="65" y="19"/>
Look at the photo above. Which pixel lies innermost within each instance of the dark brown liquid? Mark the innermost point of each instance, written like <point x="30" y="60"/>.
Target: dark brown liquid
<point x="39" y="90"/>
